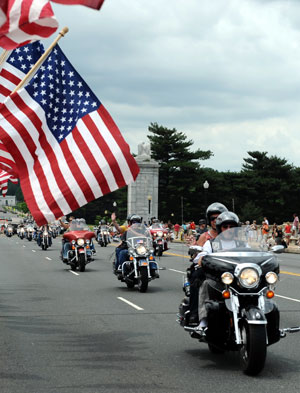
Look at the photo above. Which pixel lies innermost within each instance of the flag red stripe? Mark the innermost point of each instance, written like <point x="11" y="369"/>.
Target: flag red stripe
<point x="24" y="178"/>
<point x="46" y="147"/>
<point x="103" y="146"/>
<point x="88" y="3"/>
<point x="85" y="151"/>
<point x="18" y="126"/>
<point x="9" y="76"/>
<point x="114" y="130"/>
<point x="79" y="177"/>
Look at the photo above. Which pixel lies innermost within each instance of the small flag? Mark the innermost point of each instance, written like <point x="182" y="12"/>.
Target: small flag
<point x="4" y="177"/>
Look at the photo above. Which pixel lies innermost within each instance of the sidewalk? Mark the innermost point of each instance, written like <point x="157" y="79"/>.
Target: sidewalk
<point x="292" y="249"/>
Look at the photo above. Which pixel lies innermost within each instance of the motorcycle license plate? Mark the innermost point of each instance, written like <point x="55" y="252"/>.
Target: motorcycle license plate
<point x="143" y="262"/>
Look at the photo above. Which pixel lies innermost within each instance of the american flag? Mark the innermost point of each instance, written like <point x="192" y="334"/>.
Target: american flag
<point x="89" y="3"/>
<point x="67" y="148"/>
<point x="13" y="71"/>
<point x="4" y="177"/>
<point x="23" y="21"/>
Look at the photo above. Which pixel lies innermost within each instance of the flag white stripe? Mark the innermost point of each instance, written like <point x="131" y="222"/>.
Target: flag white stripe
<point x="97" y="154"/>
<point x="34" y="182"/>
<point x="83" y="166"/>
<point x="114" y="147"/>
<point x="36" y="9"/>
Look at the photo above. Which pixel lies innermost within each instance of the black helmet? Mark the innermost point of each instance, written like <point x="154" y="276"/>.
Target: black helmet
<point x="202" y="221"/>
<point x="215" y="208"/>
<point x="228" y="218"/>
<point x="134" y="219"/>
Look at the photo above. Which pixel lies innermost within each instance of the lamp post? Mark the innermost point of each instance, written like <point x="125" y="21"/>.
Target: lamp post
<point x="149" y="197"/>
<point x="205" y="186"/>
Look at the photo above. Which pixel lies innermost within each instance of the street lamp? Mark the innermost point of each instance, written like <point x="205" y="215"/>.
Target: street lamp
<point x="114" y="204"/>
<point x="205" y="186"/>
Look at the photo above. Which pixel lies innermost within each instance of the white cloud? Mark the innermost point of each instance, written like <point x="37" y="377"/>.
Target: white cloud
<point x="225" y="73"/>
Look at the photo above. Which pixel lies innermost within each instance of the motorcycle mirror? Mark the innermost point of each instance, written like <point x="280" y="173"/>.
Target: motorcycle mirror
<point x="277" y="249"/>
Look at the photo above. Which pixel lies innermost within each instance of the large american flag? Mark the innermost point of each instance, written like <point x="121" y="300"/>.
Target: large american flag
<point x="89" y="3"/>
<point x="13" y="71"/>
<point x="23" y="21"/>
<point x="4" y="177"/>
<point x="66" y="146"/>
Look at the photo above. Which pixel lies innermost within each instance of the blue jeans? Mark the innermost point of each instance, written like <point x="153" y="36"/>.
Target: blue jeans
<point x="121" y="256"/>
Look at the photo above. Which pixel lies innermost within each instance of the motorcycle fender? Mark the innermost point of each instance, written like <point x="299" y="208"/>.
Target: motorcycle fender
<point x="255" y="316"/>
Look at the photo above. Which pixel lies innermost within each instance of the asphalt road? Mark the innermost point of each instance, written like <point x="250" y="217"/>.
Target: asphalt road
<point x="62" y="332"/>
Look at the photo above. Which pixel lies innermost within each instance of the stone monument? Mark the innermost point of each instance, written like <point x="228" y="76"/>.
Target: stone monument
<point x="143" y="193"/>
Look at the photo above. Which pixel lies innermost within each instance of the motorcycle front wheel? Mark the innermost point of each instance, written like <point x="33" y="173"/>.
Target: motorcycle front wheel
<point x="143" y="280"/>
<point x="81" y="262"/>
<point x="254" y="348"/>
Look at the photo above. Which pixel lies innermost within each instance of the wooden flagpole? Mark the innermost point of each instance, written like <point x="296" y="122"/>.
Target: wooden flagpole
<point x="37" y="65"/>
<point x="3" y="56"/>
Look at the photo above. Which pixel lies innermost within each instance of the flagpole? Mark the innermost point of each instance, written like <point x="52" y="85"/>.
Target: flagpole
<point x="3" y="56"/>
<point x="41" y="60"/>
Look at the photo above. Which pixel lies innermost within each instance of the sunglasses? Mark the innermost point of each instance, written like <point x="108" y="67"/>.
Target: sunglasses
<point x="228" y="226"/>
<point x="213" y="218"/>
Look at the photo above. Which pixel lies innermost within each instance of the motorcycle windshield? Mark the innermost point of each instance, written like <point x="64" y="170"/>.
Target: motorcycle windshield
<point x="78" y="224"/>
<point x="157" y="226"/>
<point x="138" y="234"/>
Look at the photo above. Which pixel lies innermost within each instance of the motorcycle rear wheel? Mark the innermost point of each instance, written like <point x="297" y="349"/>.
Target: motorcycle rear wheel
<point x="254" y="349"/>
<point x="81" y="262"/>
<point x="143" y="280"/>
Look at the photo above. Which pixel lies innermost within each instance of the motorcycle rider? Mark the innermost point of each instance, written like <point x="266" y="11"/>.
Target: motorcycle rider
<point x="40" y="234"/>
<point x="225" y="221"/>
<point x="122" y="249"/>
<point x="196" y="276"/>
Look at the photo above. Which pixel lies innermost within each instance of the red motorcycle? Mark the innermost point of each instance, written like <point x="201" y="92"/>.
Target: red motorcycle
<point x="78" y="248"/>
<point x="160" y="238"/>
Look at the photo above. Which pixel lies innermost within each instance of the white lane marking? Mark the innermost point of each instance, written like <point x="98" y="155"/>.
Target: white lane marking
<point x="131" y="304"/>
<point x="49" y="259"/>
<point x="76" y="274"/>
<point x="177" y="271"/>
<point x="33" y="250"/>
<point x="288" y="298"/>
<point x="24" y="246"/>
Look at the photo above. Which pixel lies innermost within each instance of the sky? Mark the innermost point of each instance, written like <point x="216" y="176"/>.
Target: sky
<point x="225" y="73"/>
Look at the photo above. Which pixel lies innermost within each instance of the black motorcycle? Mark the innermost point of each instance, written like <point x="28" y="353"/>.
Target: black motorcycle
<point x="140" y="267"/>
<point x="241" y="313"/>
<point x="103" y="236"/>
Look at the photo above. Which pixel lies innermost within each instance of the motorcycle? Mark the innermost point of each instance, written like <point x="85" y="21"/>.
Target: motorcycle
<point x="9" y="231"/>
<point x="103" y="236"/>
<point x="45" y="239"/>
<point x="78" y="245"/>
<point x="30" y="233"/>
<point x="21" y="232"/>
<point x="160" y="239"/>
<point x="140" y="268"/>
<point x="241" y="313"/>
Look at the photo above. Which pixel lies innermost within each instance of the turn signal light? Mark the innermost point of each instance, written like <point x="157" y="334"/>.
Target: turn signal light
<point x="226" y="294"/>
<point x="151" y="258"/>
<point x="131" y="258"/>
<point x="73" y="247"/>
<point x="270" y="294"/>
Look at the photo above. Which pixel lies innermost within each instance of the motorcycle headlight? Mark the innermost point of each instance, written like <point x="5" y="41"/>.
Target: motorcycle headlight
<point x="87" y="242"/>
<point x="9" y="229"/>
<point x="271" y="278"/>
<point x="80" y="242"/>
<point x="160" y="234"/>
<point x="227" y="278"/>
<point x="141" y="250"/>
<point x="249" y="278"/>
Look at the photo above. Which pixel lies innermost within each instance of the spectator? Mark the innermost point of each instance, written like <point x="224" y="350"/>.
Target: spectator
<point x="295" y="224"/>
<point x="253" y="232"/>
<point x="247" y="230"/>
<point x="266" y="221"/>
<point x="288" y="233"/>
<point x="176" y="230"/>
<point x="265" y="232"/>
<point x="274" y="230"/>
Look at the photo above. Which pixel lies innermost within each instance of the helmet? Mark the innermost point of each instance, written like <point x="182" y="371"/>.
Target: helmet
<point x="155" y="221"/>
<point x="214" y="208"/>
<point x="226" y="217"/>
<point x="134" y="218"/>
<point x="202" y="221"/>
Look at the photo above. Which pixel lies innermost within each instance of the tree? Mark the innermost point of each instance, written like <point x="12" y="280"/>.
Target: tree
<point x="179" y="168"/>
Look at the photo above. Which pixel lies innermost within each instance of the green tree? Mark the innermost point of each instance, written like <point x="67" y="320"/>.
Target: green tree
<point x="179" y="168"/>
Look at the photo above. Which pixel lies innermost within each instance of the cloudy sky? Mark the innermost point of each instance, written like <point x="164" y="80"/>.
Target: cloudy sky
<point x="226" y="73"/>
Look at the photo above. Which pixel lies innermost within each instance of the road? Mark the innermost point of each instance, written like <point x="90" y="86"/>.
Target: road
<point x="62" y="332"/>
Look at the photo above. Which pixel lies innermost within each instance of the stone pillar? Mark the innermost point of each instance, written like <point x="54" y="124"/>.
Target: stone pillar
<point x="143" y="193"/>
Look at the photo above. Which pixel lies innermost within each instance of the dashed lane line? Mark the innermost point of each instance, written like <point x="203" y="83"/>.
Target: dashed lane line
<point x="177" y="271"/>
<point x="49" y="259"/>
<point x="288" y="298"/>
<point x="76" y="274"/>
<point x="130" y="304"/>
<point x="33" y="250"/>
